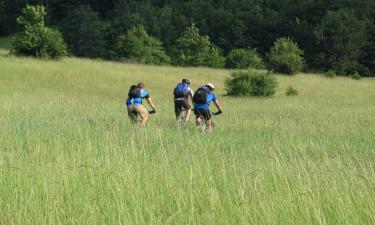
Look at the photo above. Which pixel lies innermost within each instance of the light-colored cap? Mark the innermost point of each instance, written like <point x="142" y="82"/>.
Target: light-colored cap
<point x="211" y="86"/>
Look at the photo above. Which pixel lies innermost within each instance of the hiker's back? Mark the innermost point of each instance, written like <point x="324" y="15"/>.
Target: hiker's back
<point x="181" y="90"/>
<point x="201" y="96"/>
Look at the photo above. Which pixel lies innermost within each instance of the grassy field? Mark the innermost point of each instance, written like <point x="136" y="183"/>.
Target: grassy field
<point x="67" y="155"/>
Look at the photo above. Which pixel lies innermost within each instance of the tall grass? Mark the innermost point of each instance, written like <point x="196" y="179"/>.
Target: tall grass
<point x="67" y="155"/>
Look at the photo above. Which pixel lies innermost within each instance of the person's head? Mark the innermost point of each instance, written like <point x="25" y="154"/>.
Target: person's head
<point x="186" y="81"/>
<point x="210" y="86"/>
<point x="141" y="85"/>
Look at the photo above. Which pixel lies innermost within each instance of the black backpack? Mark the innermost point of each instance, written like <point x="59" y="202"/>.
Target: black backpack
<point x="200" y="96"/>
<point x="134" y="92"/>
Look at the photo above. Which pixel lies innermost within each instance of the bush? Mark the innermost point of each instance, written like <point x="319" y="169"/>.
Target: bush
<point x="36" y="39"/>
<point x="251" y="84"/>
<point x="330" y="74"/>
<point x="85" y="32"/>
<point x="192" y="49"/>
<point x="285" y="57"/>
<point x="356" y="76"/>
<point x="357" y="68"/>
<point x="139" y="46"/>
<point x="291" y="91"/>
<point x="243" y="59"/>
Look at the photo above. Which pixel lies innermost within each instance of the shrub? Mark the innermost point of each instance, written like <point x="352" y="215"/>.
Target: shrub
<point x="192" y="49"/>
<point x="85" y="32"/>
<point x="243" y="59"/>
<point x="285" y="57"/>
<point x="36" y="39"/>
<point x="139" y="46"/>
<point x="330" y="74"/>
<point x="251" y="84"/>
<point x="291" y="91"/>
<point x="357" y="68"/>
<point x="356" y="76"/>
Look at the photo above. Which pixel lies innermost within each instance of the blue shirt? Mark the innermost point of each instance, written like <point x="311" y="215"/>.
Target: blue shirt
<point x="211" y="97"/>
<point x="137" y="101"/>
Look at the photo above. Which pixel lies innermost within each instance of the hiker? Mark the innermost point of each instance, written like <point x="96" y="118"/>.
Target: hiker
<point x="181" y="99"/>
<point x="134" y="103"/>
<point x="202" y="99"/>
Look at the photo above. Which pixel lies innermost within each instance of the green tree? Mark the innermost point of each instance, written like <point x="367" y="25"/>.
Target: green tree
<point x="85" y="33"/>
<point x="243" y="59"/>
<point x="36" y="39"/>
<point x="285" y="57"/>
<point x="192" y="49"/>
<point x="138" y="45"/>
<point x="341" y="38"/>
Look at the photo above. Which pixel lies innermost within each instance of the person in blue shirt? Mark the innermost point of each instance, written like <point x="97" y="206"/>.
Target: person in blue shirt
<point x="202" y="99"/>
<point x="181" y="99"/>
<point x="134" y="103"/>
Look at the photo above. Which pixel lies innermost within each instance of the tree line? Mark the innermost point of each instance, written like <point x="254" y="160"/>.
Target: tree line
<point x="334" y="35"/>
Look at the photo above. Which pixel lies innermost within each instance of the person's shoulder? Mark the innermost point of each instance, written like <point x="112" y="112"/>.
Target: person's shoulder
<point x="144" y="92"/>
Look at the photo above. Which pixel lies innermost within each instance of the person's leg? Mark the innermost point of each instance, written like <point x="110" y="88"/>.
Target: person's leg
<point x="209" y="125"/>
<point x="208" y="119"/>
<point x="198" y="119"/>
<point x="143" y="114"/>
<point x="187" y="116"/>
<point x="132" y="114"/>
<point x="177" y="109"/>
<point x="187" y="107"/>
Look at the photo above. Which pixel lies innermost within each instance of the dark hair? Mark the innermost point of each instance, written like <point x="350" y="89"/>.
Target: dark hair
<point x="186" y="81"/>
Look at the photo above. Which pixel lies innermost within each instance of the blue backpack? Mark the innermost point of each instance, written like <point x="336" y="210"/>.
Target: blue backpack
<point x="181" y="90"/>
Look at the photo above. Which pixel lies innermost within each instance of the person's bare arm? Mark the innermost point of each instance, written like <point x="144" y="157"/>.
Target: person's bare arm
<point x="218" y="106"/>
<point x="151" y="104"/>
<point x="191" y="93"/>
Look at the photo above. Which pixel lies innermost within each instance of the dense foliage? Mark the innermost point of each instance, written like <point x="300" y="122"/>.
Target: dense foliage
<point x="35" y="39"/>
<point x="251" y="84"/>
<point x="342" y="37"/>
<point x="85" y="32"/>
<point x="334" y="35"/>
<point x="243" y="59"/>
<point x="285" y="57"/>
<point x="192" y="49"/>
<point x="138" y="45"/>
<point x="330" y="74"/>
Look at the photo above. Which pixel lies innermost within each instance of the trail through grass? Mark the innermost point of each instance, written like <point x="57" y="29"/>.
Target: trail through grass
<point x="67" y="155"/>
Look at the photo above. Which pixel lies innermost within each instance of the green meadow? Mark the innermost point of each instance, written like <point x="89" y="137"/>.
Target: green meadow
<point x="68" y="155"/>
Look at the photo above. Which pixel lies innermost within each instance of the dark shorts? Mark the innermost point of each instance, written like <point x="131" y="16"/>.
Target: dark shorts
<point x="181" y="104"/>
<point x="203" y="113"/>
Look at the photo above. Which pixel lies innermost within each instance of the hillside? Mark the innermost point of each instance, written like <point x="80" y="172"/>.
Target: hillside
<point x="67" y="155"/>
